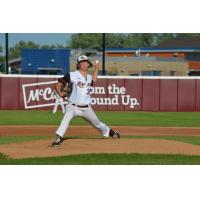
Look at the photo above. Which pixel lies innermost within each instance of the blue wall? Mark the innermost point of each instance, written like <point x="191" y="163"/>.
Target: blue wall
<point x="35" y="59"/>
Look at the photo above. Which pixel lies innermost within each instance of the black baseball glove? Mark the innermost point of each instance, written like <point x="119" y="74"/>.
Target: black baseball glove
<point x="66" y="89"/>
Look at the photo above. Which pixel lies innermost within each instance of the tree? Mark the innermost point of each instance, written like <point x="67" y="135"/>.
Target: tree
<point x="1" y="59"/>
<point x="15" y="51"/>
<point x="86" y="41"/>
<point x="160" y="37"/>
<point x="187" y="35"/>
<point x="140" y="40"/>
<point x="46" y="46"/>
<point x="113" y="40"/>
<point x="147" y="39"/>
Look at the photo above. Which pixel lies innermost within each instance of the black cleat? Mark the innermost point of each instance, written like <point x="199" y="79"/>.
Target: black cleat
<point x="114" y="134"/>
<point x="57" y="141"/>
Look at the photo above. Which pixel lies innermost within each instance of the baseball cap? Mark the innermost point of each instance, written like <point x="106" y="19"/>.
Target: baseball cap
<point x="84" y="58"/>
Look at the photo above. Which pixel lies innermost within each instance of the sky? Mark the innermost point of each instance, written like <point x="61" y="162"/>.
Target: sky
<point x="40" y="38"/>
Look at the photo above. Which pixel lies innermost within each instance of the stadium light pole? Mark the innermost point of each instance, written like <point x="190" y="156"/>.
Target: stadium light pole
<point x="6" y="47"/>
<point x="103" y="53"/>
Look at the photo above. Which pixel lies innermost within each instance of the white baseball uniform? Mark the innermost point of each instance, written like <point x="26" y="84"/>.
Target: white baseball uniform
<point x="79" y="104"/>
<point x="58" y="101"/>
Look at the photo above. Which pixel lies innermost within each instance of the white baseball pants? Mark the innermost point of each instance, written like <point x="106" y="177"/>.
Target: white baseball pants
<point x="59" y="101"/>
<point x="87" y="113"/>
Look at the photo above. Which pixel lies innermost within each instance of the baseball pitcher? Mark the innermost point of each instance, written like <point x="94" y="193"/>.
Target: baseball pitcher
<point x="77" y="86"/>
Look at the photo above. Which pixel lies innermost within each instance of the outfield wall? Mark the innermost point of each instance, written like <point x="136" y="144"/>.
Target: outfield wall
<point x="110" y="93"/>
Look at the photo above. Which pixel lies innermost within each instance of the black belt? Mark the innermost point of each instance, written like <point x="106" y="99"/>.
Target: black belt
<point x="79" y="106"/>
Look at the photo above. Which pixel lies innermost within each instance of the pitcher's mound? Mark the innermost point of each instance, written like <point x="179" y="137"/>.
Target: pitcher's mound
<point x="42" y="148"/>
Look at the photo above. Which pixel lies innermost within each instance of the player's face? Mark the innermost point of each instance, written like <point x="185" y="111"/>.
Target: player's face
<point x="83" y="65"/>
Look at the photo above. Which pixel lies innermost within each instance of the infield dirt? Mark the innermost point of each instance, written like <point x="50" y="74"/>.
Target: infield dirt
<point x="89" y="141"/>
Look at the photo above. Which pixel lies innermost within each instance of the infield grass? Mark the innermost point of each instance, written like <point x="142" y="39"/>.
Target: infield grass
<point x="195" y="140"/>
<point x="18" y="139"/>
<point x="114" y="118"/>
<point x="186" y="139"/>
<point x="106" y="159"/>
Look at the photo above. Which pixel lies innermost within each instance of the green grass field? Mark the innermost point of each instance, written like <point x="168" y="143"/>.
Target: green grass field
<point x="106" y="159"/>
<point x="170" y="119"/>
<point x="173" y="119"/>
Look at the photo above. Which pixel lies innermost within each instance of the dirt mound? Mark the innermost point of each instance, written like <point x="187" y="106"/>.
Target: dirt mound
<point x="42" y="148"/>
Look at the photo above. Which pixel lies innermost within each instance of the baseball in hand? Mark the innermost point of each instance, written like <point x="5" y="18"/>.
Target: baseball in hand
<point x="96" y="62"/>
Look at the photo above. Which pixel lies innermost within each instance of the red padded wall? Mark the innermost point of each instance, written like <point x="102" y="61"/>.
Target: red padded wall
<point x="100" y="83"/>
<point x="186" y="95"/>
<point x="168" y="95"/>
<point x="42" y="101"/>
<point x="150" y="95"/>
<point x="116" y="84"/>
<point x="134" y="89"/>
<point x="10" y="93"/>
<point x="25" y="81"/>
<point x="198" y="95"/>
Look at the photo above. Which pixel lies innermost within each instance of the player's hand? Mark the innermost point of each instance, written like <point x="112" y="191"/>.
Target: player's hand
<point x="62" y="95"/>
<point x="96" y="64"/>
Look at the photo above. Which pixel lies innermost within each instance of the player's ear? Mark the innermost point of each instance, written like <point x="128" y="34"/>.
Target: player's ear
<point x="77" y="67"/>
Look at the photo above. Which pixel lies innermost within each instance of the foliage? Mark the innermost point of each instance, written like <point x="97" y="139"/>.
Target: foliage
<point x="15" y="52"/>
<point x="113" y="40"/>
<point x="166" y="36"/>
<point x="123" y="40"/>
<point x="163" y="36"/>
<point x="187" y="35"/>
<point x="86" y="41"/>
<point x="1" y="60"/>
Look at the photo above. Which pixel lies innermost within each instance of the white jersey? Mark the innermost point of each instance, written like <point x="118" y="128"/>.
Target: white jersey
<point x="81" y="88"/>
